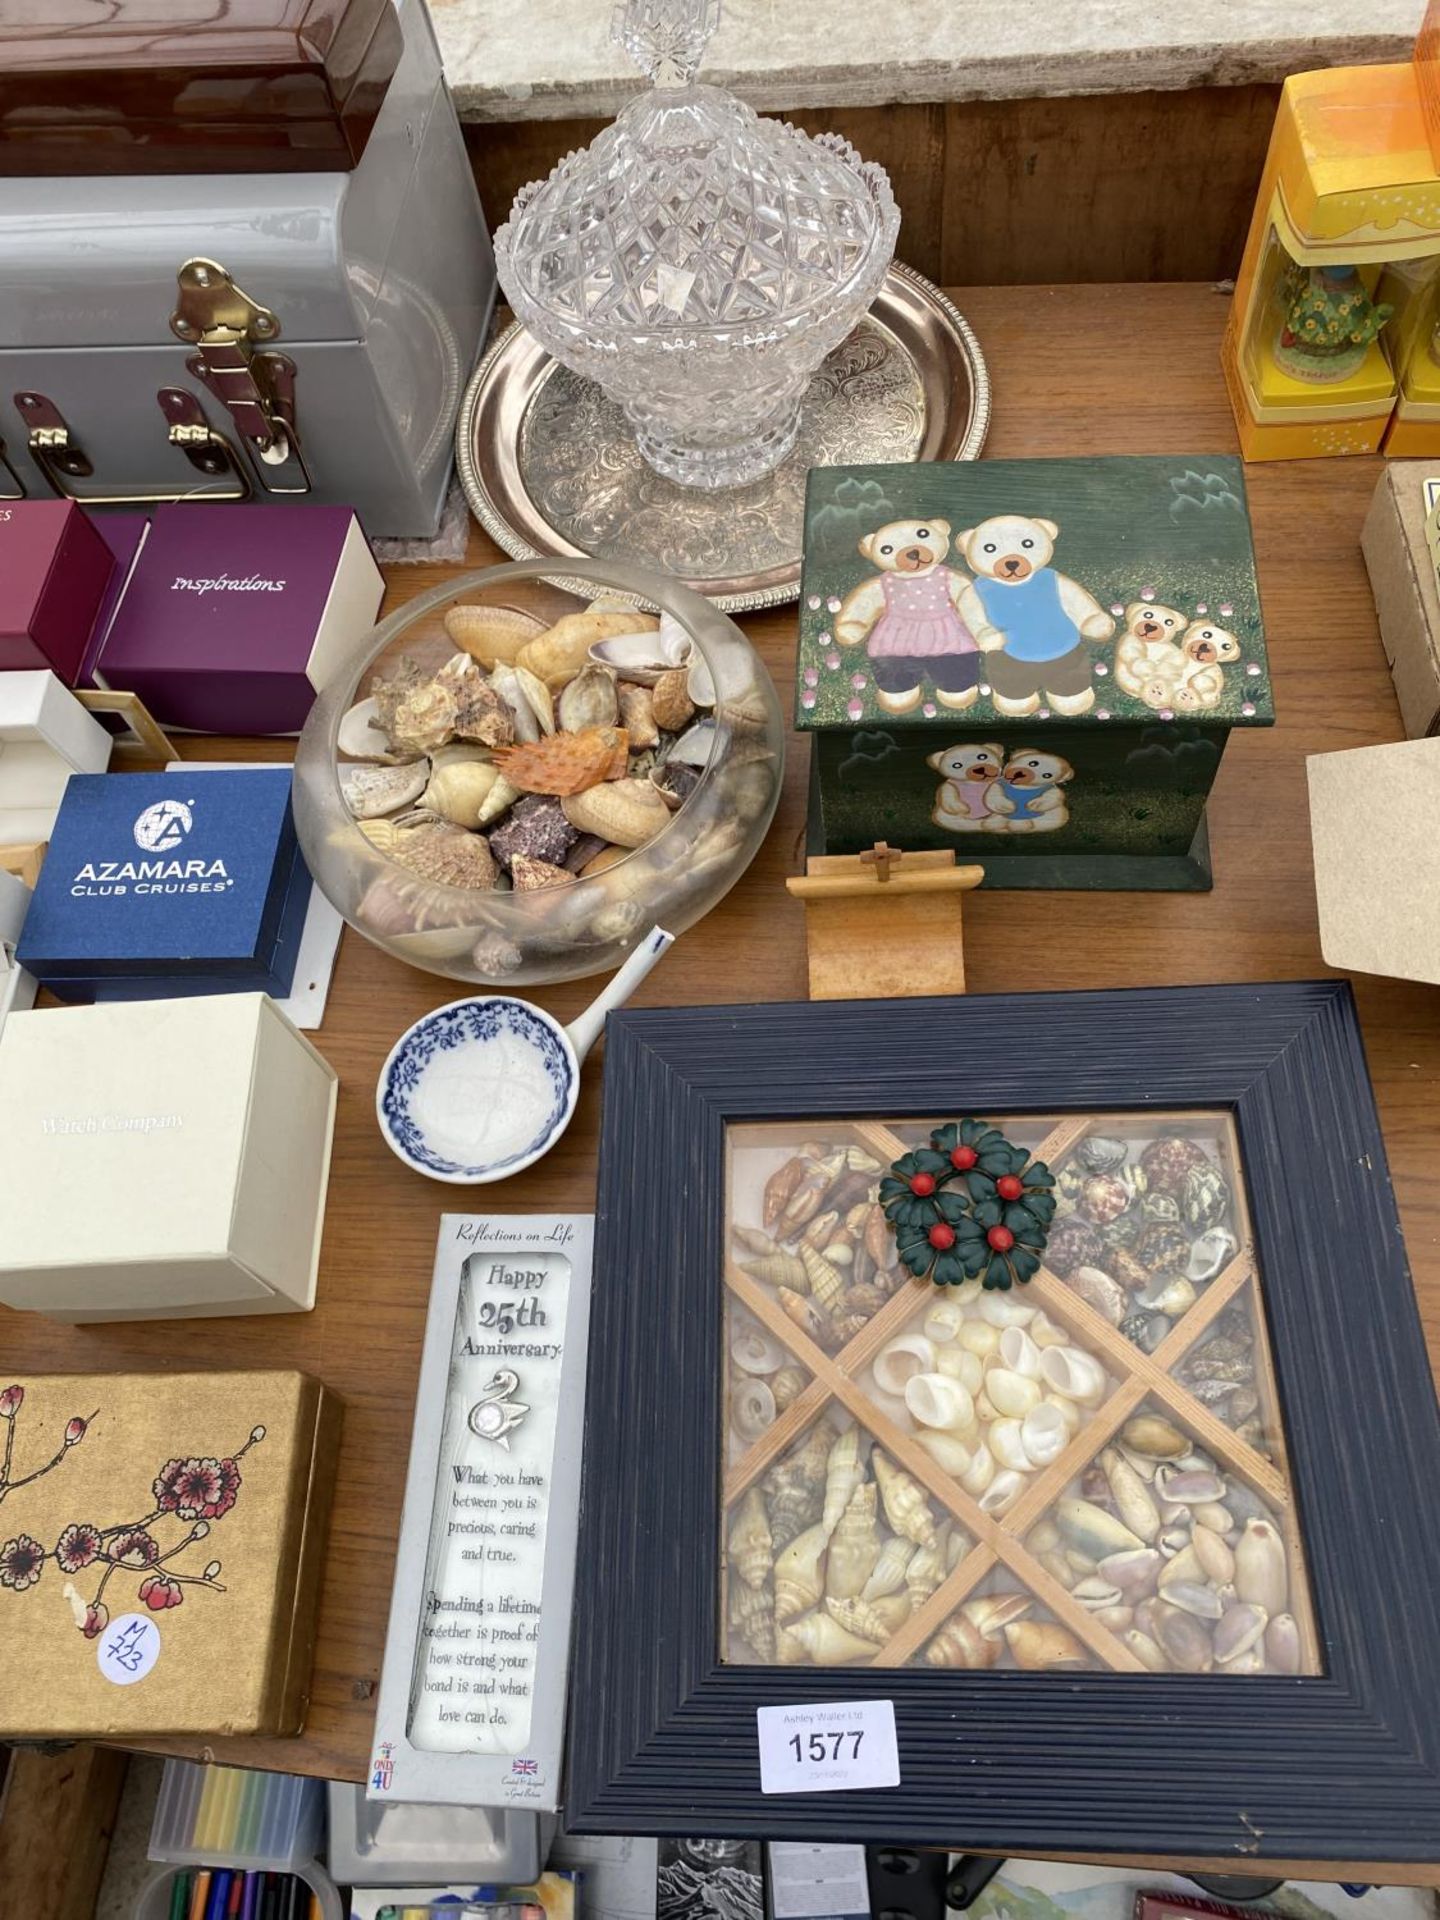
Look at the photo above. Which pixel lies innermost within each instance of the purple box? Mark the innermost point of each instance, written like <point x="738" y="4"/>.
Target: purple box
<point x="55" y="571"/>
<point x="232" y="621"/>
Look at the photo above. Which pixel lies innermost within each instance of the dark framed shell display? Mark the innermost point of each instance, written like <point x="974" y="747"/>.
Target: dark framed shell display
<point x="1123" y="1518"/>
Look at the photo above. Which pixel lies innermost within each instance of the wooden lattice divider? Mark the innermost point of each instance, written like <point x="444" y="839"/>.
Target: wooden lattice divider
<point x="1137" y="1377"/>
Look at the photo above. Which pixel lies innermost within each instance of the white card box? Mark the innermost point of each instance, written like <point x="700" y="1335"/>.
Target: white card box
<point x="17" y="987"/>
<point x="477" y="1653"/>
<point x="162" y="1159"/>
<point x="45" y="736"/>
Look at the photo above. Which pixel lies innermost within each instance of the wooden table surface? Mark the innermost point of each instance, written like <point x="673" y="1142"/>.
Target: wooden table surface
<point x="1079" y="370"/>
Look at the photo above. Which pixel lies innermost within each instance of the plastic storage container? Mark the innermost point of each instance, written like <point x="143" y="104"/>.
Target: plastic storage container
<point x="238" y="1818"/>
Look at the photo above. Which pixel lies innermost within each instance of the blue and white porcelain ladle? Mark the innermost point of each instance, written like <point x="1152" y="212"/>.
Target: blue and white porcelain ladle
<point x="481" y="1088"/>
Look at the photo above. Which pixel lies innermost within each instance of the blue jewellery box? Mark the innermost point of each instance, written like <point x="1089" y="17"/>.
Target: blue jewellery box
<point x="159" y="884"/>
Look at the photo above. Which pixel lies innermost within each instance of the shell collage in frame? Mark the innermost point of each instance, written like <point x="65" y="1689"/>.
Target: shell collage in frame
<point x="1175" y="1555"/>
<point x="1142" y="1226"/>
<point x="1001" y="1625"/>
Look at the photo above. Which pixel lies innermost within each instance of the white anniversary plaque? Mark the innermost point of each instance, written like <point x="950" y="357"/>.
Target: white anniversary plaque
<point x="472" y="1692"/>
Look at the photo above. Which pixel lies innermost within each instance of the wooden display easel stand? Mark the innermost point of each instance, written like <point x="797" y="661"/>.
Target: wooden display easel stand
<point x="884" y="925"/>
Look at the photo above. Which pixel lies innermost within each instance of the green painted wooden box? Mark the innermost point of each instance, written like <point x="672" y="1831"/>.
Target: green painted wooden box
<point x="1035" y="662"/>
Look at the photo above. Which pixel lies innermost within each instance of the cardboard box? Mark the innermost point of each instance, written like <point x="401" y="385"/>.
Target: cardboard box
<point x="1407" y="598"/>
<point x="162" y="1158"/>
<point x="45" y="736"/>
<point x="157" y="885"/>
<point x="17" y="987"/>
<point x="232" y="622"/>
<point x="1377" y="883"/>
<point x="55" y="571"/>
<point x="160" y="1574"/>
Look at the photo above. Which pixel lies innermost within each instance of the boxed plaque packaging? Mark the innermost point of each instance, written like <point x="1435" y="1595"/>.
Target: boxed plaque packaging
<point x="1400" y="541"/>
<point x="55" y="572"/>
<point x="45" y="736"/>
<point x="473" y="1687"/>
<point x="197" y="1133"/>
<point x="242" y="258"/>
<point x="158" y="885"/>
<point x="231" y="623"/>
<point x="1035" y="663"/>
<point x="163" y="1549"/>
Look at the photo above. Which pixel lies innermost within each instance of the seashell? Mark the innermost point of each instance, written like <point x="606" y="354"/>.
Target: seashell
<point x="888" y="1573"/>
<point x="752" y="1408"/>
<point x="947" y="1450"/>
<point x="1183" y="1564"/>
<point x="637" y="716"/>
<point x="1004" y="1310"/>
<point x="1184" y="1639"/>
<point x="1147" y="1330"/>
<point x="1073" y="1242"/>
<point x="854" y="1545"/>
<point x="1092" y="1530"/>
<point x="371" y="791"/>
<point x="1165" y="1162"/>
<point x="507" y="683"/>
<point x="1200" y="1600"/>
<point x="589" y="700"/>
<point x="695" y="747"/>
<point x="1210" y="1254"/>
<point x="1133" y="1570"/>
<point x="1005" y="1442"/>
<point x="873" y="1620"/>
<point x="1211" y="1514"/>
<point x="1162" y="1208"/>
<point x="1043" y="1645"/>
<point x="1173" y="1540"/>
<point x="779" y="1187"/>
<point x="1154" y="1436"/>
<point x="821" y="1639"/>
<point x="980" y="1472"/>
<point x="480" y="714"/>
<point x="1204" y="1197"/>
<point x="1163" y="1249"/>
<point x="752" y="1616"/>
<point x="808" y="1317"/>
<point x="787" y="1386"/>
<point x="878" y="1240"/>
<point x="362" y="734"/>
<point x="458" y="792"/>
<point x="799" y="1573"/>
<point x="1002" y="1493"/>
<point x="1145" y="1650"/>
<point x="958" y="1364"/>
<point x="558" y="654"/>
<point x="1019" y="1353"/>
<point x="843" y="1474"/>
<point x="537" y="697"/>
<point x="926" y="1570"/>
<point x="447" y="855"/>
<point x="642" y="657"/>
<point x="1132" y="1498"/>
<point x="751" y="1547"/>
<point x="491" y="634"/>
<point x="863" y="1296"/>
<point x="1168" y="1293"/>
<point x="1011" y="1394"/>
<point x="1260" y="1572"/>
<point x="671" y="703"/>
<point x="778" y="1269"/>
<point x="1122" y="1265"/>
<point x="943" y="1322"/>
<point x="1067" y="1410"/>
<point x="1251" y="1661"/>
<point x="1097" y="1153"/>
<point x="1073" y="1373"/>
<point x="819" y="1230"/>
<point x="753" y="1350"/>
<point x="957" y="1545"/>
<point x="1189" y="1486"/>
<point x="1059" y="1568"/>
<point x="936" y="1401"/>
<point x="1095" y="1592"/>
<point x="562" y="764"/>
<point x="1103" y="1198"/>
<point x="1096" y="1288"/>
<point x="1043" y="1536"/>
<point x="983" y="1409"/>
<point x="992" y="1613"/>
<point x="1241" y="1627"/>
<point x="906" y="1507"/>
<point x="827" y="1283"/>
<point x="979" y="1337"/>
<point x="752" y="1241"/>
<point x="1282" y="1643"/>
<point x="1044" y="1434"/>
<point x="960" y="1643"/>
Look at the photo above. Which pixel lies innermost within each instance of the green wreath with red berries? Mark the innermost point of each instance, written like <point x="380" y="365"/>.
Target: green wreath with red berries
<point x="969" y="1206"/>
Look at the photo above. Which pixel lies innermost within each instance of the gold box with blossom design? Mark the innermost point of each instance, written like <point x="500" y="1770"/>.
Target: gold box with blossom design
<point x="160" y="1551"/>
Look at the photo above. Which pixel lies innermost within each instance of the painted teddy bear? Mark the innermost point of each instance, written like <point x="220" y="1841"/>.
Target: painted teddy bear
<point x="961" y="805"/>
<point x="1031" y="622"/>
<point x="1186" y="673"/>
<point x="1027" y="798"/>
<point x="908" y="616"/>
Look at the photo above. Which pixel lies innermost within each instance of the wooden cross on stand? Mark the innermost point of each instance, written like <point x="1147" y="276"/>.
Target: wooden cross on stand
<point x="884" y="924"/>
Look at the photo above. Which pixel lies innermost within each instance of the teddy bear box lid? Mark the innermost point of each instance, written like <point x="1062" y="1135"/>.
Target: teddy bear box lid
<point x="1000" y="593"/>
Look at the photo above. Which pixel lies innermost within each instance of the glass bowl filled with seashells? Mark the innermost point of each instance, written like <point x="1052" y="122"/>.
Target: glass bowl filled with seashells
<point x="516" y="779"/>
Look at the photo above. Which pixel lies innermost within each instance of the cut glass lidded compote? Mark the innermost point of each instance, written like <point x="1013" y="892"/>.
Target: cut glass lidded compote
<point x="696" y="261"/>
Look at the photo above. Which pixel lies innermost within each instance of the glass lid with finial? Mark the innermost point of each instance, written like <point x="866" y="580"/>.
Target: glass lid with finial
<point x="697" y="261"/>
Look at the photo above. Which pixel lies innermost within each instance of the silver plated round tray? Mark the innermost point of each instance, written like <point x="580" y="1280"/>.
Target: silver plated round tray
<point x="550" y="468"/>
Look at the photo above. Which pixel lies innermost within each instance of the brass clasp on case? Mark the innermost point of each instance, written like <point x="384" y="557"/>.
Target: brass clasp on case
<point x="257" y="388"/>
<point x="62" y="460"/>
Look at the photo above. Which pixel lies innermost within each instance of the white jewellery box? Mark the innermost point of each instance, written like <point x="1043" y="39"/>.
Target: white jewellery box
<point x="162" y="1158"/>
<point x="45" y="736"/>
